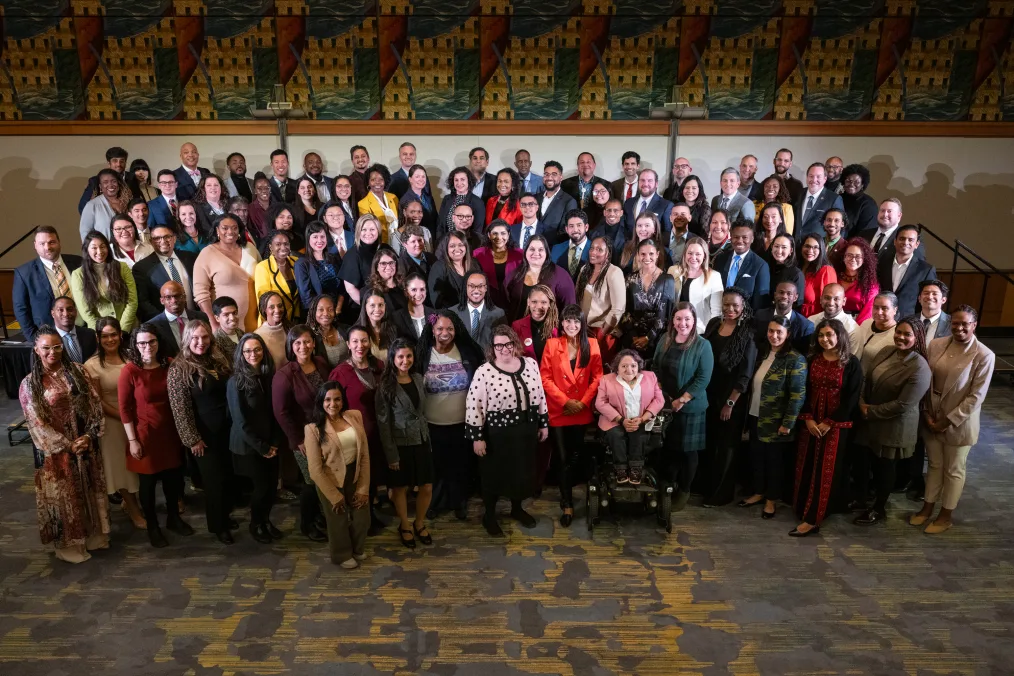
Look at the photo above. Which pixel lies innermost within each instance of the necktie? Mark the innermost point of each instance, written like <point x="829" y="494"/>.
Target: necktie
<point x="475" y="321"/>
<point x="806" y="209"/>
<point x="926" y="323"/>
<point x="725" y="203"/>
<point x="528" y="181"/>
<point x="70" y="341"/>
<point x="630" y="190"/>
<point x="527" y="236"/>
<point x="878" y="242"/>
<point x="572" y="263"/>
<point x="196" y="175"/>
<point x="172" y="207"/>
<point x="644" y="207"/>
<point x="322" y="191"/>
<point x="180" y="324"/>
<point x="173" y="272"/>
<point x="733" y="271"/>
<point x="61" y="280"/>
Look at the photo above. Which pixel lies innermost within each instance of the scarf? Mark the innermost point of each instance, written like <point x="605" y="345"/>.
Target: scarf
<point x="456" y="201"/>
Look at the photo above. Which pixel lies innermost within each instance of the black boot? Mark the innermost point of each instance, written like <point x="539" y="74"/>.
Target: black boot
<point x="156" y="538"/>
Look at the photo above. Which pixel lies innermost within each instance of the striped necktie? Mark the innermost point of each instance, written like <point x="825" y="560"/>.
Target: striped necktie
<point x="61" y="280"/>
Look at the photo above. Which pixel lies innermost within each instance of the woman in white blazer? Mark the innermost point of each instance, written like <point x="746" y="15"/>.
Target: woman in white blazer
<point x="697" y="283"/>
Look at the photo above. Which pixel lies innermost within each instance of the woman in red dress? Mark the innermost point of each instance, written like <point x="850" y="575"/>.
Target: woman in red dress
<point x="504" y="204"/>
<point x="857" y="273"/>
<point x="154" y="450"/>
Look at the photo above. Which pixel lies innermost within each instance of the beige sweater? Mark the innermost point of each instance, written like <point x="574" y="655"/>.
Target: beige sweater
<point x="274" y="338"/>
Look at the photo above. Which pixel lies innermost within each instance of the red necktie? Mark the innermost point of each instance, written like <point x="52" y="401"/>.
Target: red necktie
<point x="172" y="207"/>
<point x="180" y="324"/>
<point x="630" y="190"/>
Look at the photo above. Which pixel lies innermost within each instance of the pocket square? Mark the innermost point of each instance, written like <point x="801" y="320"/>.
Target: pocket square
<point x="745" y="275"/>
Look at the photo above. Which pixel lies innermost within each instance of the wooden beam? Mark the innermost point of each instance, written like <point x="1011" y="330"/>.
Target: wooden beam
<point x="481" y="127"/>
<point x="141" y="128"/>
<point x="861" y="128"/>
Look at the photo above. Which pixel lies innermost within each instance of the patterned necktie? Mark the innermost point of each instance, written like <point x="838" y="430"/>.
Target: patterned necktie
<point x="809" y="205"/>
<point x="173" y="272"/>
<point x="725" y="203"/>
<point x="630" y="190"/>
<point x="644" y="207"/>
<point x="572" y="263"/>
<point x="70" y="340"/>
<point x="61" y="280"/>
<point x="733" y="271"/>
<point x="526" y="237"/>
<point x="475" y="321"/>
<point x="172" y="208"/>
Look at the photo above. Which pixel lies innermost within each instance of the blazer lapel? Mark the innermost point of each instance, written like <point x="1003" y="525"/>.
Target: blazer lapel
<point x="957" y="373"/>
<point x="41" y="281"/>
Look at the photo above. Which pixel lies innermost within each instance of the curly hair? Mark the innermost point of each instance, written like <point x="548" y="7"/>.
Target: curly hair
<point x="449" y="185"/>
<point x="843" y="344"/>
<point x="135" y="355"/>
<point x="376" y="281"/>
<point x="81" y="390"/>
<point x="783" y="190"/>
<point x="92" y="272"/>
<point x="863" y="172"/>
<point x="735" y="349"/>
<point x="202" y="196"/>
<point x="471" y="354"/>
<point x="379" y="169"/>
<point x="511" y="334"/>
<point x="867" y="275"/>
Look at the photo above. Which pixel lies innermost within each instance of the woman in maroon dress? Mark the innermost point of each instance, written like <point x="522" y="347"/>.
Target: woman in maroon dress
<point x="154" y="450"/>
<point x="833" y="381"/>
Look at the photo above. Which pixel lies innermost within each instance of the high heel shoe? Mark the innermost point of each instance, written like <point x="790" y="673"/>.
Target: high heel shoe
<point x="795" y="533"/>
<point x="767" y="515"/>
<point x="410" y="542"/>
<point x="425" y="539"/>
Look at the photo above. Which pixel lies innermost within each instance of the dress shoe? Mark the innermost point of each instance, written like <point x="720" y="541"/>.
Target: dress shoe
<point x="461" y="511"/>
<point x="233" y="524"/>
<point x="800" y="534"/>
<point x="349" y="564"/>
<point x="767" y="515"/>
<point x="492" y="527"/>
<point x="431" y="514"/>
<point x="523" y="517"/>
<point x="178" y="526"/>
<point x="745" y="503"/>
<point x="156" y="538"/>
<point x="360" y="557"/>
<point x="260" y="533"/>
<point x="315" y="534"/>
<point x="425" y="539"/>
<point x="408" y="542"/>
<point x="273" y="531"/>
<point x="115" y="498"/>
<point x="566" y="519"/>
<point x="225" y="537"/>
<point x="870" y="517"/>
<point x="937" y="527"/>
<point x="917" y="519"/>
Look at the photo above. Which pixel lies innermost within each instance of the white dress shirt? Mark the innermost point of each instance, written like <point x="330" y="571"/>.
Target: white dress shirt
<point x="806" y="199"/>
<point x="631" y="396"/>
<point x="547" y="199"/>
<point x="184" y="276"/>
<point x="931" y="330"/>
<point x="898" y="271"/>
<point x="177" y="334"/>
<point x="885" y="233"/>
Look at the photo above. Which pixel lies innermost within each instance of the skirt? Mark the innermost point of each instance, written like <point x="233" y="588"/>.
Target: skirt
<point x="892" y="452"/>
<point x="690" y="430"/>
<point x="509" y="466"/>
<point x="415" y="467"/>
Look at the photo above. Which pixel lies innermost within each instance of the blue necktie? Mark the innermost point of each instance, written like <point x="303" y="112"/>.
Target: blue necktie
<point x="526" y="236"/>
<point x="475" y="321"/>
<point x="733" y="270"/>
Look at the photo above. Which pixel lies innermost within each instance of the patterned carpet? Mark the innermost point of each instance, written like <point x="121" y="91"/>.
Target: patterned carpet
<point x="726" y="593"/>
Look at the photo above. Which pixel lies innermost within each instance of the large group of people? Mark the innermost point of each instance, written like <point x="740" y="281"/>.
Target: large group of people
<point x="349" y="338"/>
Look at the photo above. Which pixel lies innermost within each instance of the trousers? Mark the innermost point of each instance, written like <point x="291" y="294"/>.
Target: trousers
<point x="946" y="477"/>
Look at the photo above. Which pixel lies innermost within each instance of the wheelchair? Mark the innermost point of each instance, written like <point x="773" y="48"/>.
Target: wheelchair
<point x="653" y="494"/>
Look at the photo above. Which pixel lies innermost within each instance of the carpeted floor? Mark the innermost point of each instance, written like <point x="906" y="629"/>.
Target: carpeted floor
<point x="725" y="593"/>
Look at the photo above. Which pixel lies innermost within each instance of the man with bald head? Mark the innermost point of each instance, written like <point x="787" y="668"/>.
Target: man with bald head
<point x="834" y="166"/>
<point x="832" y="301"/>
<point x="681" y="169"/>
<point x="188" y="175"/>
<point x="170" y="322"/>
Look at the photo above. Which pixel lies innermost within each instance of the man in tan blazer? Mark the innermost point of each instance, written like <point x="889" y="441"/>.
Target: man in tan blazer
<point x="962" y="367"/>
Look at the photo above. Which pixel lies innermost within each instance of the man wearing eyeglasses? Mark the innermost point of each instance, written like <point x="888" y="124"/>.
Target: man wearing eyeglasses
<point x="169" y="323"/>
<point x="477" y="313"/>
<point x="166" y="264"/>
<point x="464" y="219"/>
<point x="530" y="225"/>
<point x="681" y="170"/>
<point x="164" y="209"/>
<point x="79" y="342"/>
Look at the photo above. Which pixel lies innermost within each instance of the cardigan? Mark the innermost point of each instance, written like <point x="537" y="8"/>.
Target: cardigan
<point x="126" y="312"/>
<point x="781" y="396"/>
<point x="400" y="422"/>
<point x="893" y="397"/>
<point x="293" y="398"/>
<point x="326" y="464"/>
<point x="611" y="404"/>
<point x="692" y="374"/>
<point x="562" y="383"/>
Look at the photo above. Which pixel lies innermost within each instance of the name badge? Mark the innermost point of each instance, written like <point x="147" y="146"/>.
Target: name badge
<point x="528" y="342"/>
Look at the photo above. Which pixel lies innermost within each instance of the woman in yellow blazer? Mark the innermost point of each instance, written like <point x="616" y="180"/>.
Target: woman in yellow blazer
<point x="103" y="286"/>
<point x="275" y="273"/>
<point x="379" y="202"/>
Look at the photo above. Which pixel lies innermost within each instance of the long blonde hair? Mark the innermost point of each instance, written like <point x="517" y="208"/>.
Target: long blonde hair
<point x="681" y="267"/>
<point x="194" y="368"/>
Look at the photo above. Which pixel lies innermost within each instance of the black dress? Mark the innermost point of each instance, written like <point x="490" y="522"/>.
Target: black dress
<point x="415" y="463"/>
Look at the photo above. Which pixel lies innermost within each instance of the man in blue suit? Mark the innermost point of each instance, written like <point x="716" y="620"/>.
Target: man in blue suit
<point x="648" y="200"/>
<point x="811" y="206"/>
<point x="573" y="253"/>
<point x="79" y="342"/>
<point x="399" y="180"/>
<point x="530" y="181"/>
<point x="164" y="209"/>
<point x="800" y="328"/>
<point x="39" y="282"/>
<point x="741" y="267"/>
<point x="530" y="225"/>
<point x="188" y="174"/>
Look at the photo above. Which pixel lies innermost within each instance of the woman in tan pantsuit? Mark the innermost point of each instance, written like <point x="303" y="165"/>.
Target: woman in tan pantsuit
<point x="962" y="368"/>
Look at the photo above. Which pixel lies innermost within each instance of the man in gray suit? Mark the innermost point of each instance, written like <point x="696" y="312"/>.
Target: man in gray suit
<point x="477" y="313"/>
<point x="932" y="296"/>
<point x="730" y="199"/>
<point x="811" y="206"/>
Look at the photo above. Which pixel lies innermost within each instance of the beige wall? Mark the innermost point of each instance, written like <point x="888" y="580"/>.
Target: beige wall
<point x="960" y="187"/>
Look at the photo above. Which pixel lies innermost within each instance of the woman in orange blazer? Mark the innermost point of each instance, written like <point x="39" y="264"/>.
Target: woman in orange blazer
<point x="504" y="204"/>
<point x="571" y="370"/>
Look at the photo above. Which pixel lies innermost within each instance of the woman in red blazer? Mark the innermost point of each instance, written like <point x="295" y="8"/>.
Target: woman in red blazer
<point x="627" y="399"/>
<point x="504" y="204"/>
<point x="571" y="370"/>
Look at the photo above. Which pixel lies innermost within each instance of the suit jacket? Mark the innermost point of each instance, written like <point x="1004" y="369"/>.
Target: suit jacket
<point x="149" y="276"/>
<point x="33" y="295"/>
<point x="814" y="221"/>
<point x="958" y="395"/>
<point x="186" y="189"/>
<point x="552" y="219"/>
<point x="610" y="402"/>
<point x="754" y="276"/>
<point x="560" y="255"/>
<point x="166" y="339"/>
<point x="887" y="249"/>
<point x="563" y="383"/>
<point x="484" y="257"/>
<point x="523" y="327"/>
<point x="289" y="196"/>
<point x="327" y="180"/>
<point x="159" y="212"/>
<point x="800" y="330"/>
<point x="908" y="290"/>
<point x="401" y="423"/>
<point x="399" y="185"/>
<point x="517" y="232"/>
<point x="230" y="185"/>
<point x="943" y="327"/>
<point x="404" y="327"/>
<point x="739" y="207"/>
<point x="619" y="189"/>
<point x="893" y="398"/>
<point x="489" y="317"/>
<point x="673" y="192"/>
<point x="292" y="396"/>
<point x="254" y="428"/>
<point x="755" y="193"/>
<point x="407" y="264"/>
<point x="572" y="187"/>
<point x="534" y="184"/>
<point x="86" y="340"/>
<point x="658" y="206"/>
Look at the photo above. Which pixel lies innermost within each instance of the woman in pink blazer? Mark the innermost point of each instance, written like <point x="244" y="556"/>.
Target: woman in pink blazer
<point x="627" y="399"/>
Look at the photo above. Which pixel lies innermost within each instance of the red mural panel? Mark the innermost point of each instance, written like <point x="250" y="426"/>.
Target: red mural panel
<point x="694" y="32"/>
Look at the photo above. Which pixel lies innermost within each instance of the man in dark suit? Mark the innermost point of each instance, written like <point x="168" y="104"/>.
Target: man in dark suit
<point x="647" y="200"/>
<point x="681" y="171"/>
<point x="554" y="203"/>
<point x="809" y="210"/>
<point x="478" y="313"/>
<point x="313" y="169"/>
<point x="530" y="225"/>
<point x="580" y="187"/>
<point x="237" y="183"/>
<point x="164" y="209"/>
<point x="800" y="328"/>
<point x="164" y="265"/>
<point x="169" y="324"/>
<point x="357" y="177"/>
<point x="612" y="228"/>
<point x="399" y="179"/>
<point x="783" y="162"/>
<point x="749" y="186"/>
<point x="573" y="253"/>
<point x="888" y="220"/>
<point x="625" y="186"/>
<point x="79" y="342"/>
<point x="283" y="189"/>
<point x="116" y="159"/>
<point x="904" y="272"/>
<point x="741" y="267"/>
<point x="188" y="174"/>
<point x="40" y="281"/>
<point x="485" y="182"/>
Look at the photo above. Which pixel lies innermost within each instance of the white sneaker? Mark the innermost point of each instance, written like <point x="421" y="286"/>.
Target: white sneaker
<point x="350" y="564"/>
<point x="360" y="557"/>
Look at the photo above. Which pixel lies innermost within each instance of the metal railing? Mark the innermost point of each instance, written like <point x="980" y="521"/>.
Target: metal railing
<point x="3" y="312"/>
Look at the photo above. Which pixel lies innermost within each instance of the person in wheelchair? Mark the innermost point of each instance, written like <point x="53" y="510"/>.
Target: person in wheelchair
<point x="627" y="399"/>
<point x="683" y="362"/>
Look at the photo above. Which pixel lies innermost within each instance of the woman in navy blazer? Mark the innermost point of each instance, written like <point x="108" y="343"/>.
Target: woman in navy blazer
<point x="317" y="271"/>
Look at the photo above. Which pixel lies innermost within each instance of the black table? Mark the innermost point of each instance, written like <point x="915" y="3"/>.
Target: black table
<point x="16" y="363"/>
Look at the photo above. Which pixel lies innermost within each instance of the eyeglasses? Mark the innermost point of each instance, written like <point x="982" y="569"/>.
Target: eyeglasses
<point x="167" y="183"/>
<point x="476" y="287"/>
<point x="167" y="296"/>
<point x="529" y="205"/>
<point x="386" y="264"/>
<point x="682" y="166"/>
<point x="122" y="230"/>
<point x="146" y="343"/>
<point x="502" y="347"/>
<point x="253" y="350"/>
<point x="465" y="217"/>
<point x="163" y="238"/>
<point x="853" y="257"/>
<point x="55" y="349"/>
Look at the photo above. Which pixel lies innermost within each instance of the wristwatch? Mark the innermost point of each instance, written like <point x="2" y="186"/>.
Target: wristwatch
<point x="730" y="403"/>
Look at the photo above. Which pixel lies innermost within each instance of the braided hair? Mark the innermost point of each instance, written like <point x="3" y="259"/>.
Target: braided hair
<point x="735" y="349"/>
<point x="80" y="389"/>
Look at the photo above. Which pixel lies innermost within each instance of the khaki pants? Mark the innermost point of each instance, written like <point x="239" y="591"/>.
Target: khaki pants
<point x="346" y="532"/>
<point x="946" y="476"/>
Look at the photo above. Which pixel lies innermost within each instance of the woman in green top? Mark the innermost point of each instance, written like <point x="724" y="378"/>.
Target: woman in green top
<point x="102" y="286"/>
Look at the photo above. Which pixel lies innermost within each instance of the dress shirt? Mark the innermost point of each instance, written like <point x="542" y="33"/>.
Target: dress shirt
<point x="472" y="309"/>
<point x="477" y="190"/>
<point x="584" y="191"/>
<point x="322" y="192"/>
<point x="642" y="206"/>
<point x="828" y="245"/>
<point x="51" y="275"/>
<point x="629" y="190"/>
<point x="931" y="329"/>
<point x="525" y="183"/>
<point x="181" y="270"/>
<point x="898" y="271"/>
<point x="726" y="200"/>
<point x="195" y="175"/>
<point x="170" y="198"/>
<point x="69" y="338"/>
<point x="885" y="234"/>
<point x="809" y="199"/>
<point x="576" y="249"/>
<point x="175" y="327"/>
<point x="547" y="199"/>
<point x="631" y="396"/>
